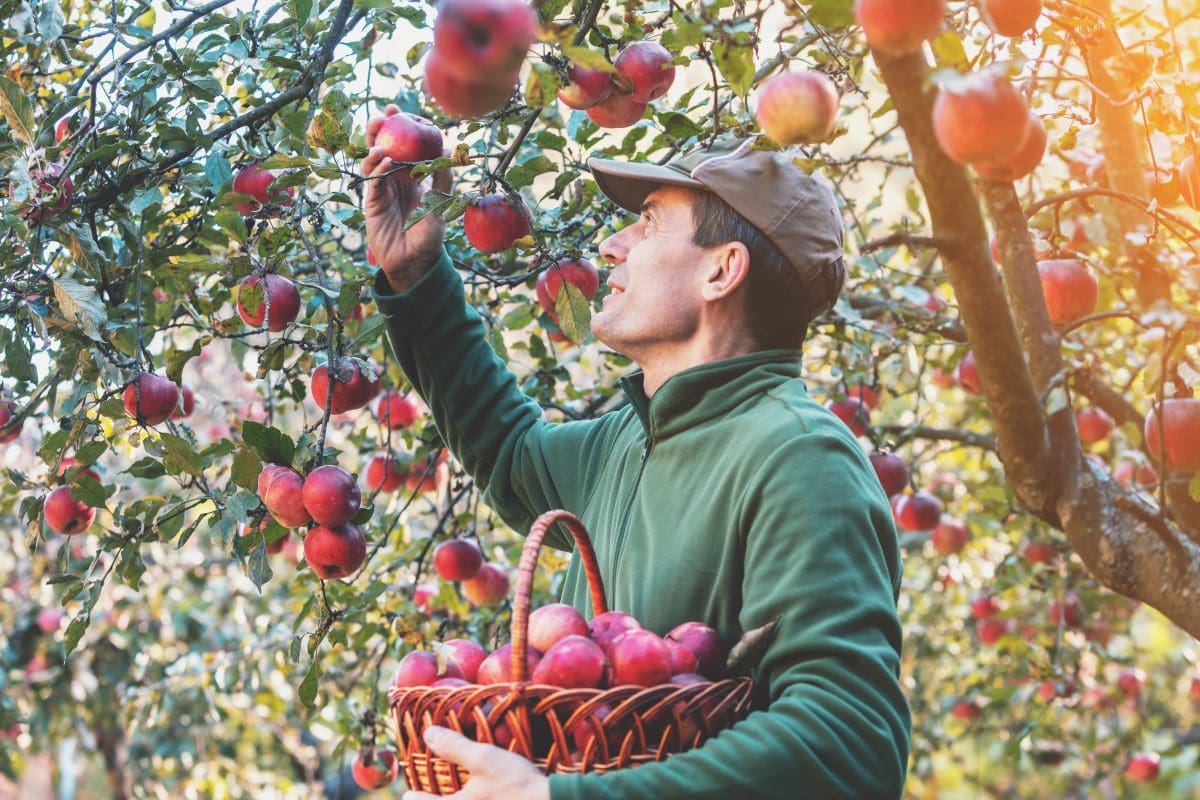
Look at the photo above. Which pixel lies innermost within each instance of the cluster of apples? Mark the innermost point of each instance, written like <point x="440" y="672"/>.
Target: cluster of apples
<point x="461" y="561"/>
<point x="10" y="424"/>
<point x="329" y="497"/>
<point x="617" y="98"/>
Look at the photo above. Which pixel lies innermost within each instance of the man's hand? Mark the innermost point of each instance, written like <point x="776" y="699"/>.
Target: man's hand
<point x="404" y="256"/>
<point x="496" y="774"/>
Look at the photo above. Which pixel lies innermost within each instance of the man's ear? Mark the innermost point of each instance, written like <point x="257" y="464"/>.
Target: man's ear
<point x="728" y="271"/>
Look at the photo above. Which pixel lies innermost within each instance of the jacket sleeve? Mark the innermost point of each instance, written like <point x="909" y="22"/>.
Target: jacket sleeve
<point x="523" y="464"/>
<point x="821" y="553"/>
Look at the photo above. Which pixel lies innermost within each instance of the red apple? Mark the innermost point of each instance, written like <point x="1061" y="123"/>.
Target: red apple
<point x="1143" y="767"/>
<point x="899" y="26"/>
<point x="331" y="495"/>
<point x="950" y="536"/>
<point x="554" y="622"/>
<point x="585" y="87"/>
<point x="282" y="296"/>
<point x="984" y="606"/>
<point x="854" y="412"/>
<point x="891" y="471"/>
<point x="352" y="387"/>
<point x="397" y="411"/>
<point x="461" y="99"/>
<point x="483" y="37"/>
<point x="1189" y="181"/>
<point x="990" y="631"/>
<point x="1013" y="17"/>
<point x="1094" y="425"/>
<point x="64" y="514"/>
<point x="1070" y="289"/>
<point x="706" y="644"/>
<point x="150" y="398"/>
<point x="639" y="658"/>
<point x="980" y="118"/>
<point x="50" y="619"/>
<point x="467" y="656"/>
<point x="497" y="668"/>
<point x="618" y="110"/>
<point x="458" y="560"/>
<point x="264" y="478"/>
<point x="62" y="128"/>
<point x="488" y="586"/>
<point x="420" y="668"/>
<point x="589" y="727"/>
<point x="683" y="660"/>
<point x="408" y="137"/>
<point x="1194" y="690"/>
<point x="1133" y="472"/>
<point x="424" y="595"/>
<point x="493" y="224"/>
<point x="334" y="552"/>
<point x="282" y="494"/>
<point x="1068" y="613"/>
<point x="917" y="512"/>
<point x="421" y="478"/>
<point x="1024" y="161"/>
<point x="374" y="769"/>
<point x="1130" y="681"/>
<point x="968" y="374"/>
<point x="384" y="474"/>
<point x="966" y="710"/>
<point x="573" y="662"/>
<point x="579" y="272"/>
<point x="256" y="531"/>
<point x="258" y="183"/>
<point x="606" y="627"/>
<point x="648" y="67"/>
<point x="1180" y="424"/>
<point x="1038" y="552"/>
<point x="9" y="429"/>
<point x="54" y="192"/>
<point x="797" y="107"/>
<point x="187" y="403"/>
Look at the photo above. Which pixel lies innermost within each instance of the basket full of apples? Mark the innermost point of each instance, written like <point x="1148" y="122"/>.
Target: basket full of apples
<point x="568" y="694"/>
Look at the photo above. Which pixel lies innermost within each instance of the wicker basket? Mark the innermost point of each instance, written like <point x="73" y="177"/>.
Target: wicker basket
<point x="560" y="730"/>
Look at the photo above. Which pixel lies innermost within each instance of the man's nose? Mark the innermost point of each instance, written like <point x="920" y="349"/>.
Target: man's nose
<point x="613" y="249"/>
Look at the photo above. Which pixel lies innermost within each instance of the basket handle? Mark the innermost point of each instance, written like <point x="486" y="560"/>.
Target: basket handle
<point x="521" y="598"/>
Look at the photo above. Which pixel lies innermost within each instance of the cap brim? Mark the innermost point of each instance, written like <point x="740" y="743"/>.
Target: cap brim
<point x="627" y="183"/>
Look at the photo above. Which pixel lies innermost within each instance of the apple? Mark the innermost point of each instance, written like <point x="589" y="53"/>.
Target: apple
<point x="868" y="394"/>
<point x="282" y="493"/>
<point x="374" y="769"/>
<point x="980" y="118"/>
<point x="1013" y="17"/>
<point x="1180" y="424"/>
<point x="585" y="87"/>
<point x="458" y="560"/>
<point x="423" y="596"/>
<point x="467" y="656"/>
<point x="1143" y="767"/>
<point x="648" y="67"/>
<point x="618" y="110"/>
<point x="187" y="403"/>
<point x="589" y="727"/>
<point x="497" y="668"/>
<point x="54" y="193"/>
<point x="488" y="586"/>
<point x="352" y="387"/>
<point x="420" y="668"/>
<point x="264" y="477"/>
<point x="408" y="137"/>
<point x="639" y="658"/>
<point x="460" y="99"/>
<point x="1094" y="425"/>
<point x="1024" y="161"/>
<point x="1189" y="181"/>
<point x="397" y="411"/>
<point x="334" y="552"/>
<point x="280" y="294"/>
<point x="62" y="128"/>
<point x="330" y="494"/>
<point x="966" y="710"/>
<point x="384" y="474"/>
<point x="899" y="26"/>
<point x="1068" y="612"/>
<point x="483" y="37"/>
<point x="493" y="224"/>
<point x="683" y="660"/>
<point x="553" y="622"/>
<point x="1194" y="690"/>
<point x="1130" y="681"/>
<point x="991" y="631"/>
<point x="50" y="619"/>
<point x="1070" y="290"/>
<point x="984" y="606"/>
<point x="64" y="514"/>
<point x="968" y="374"/>
<point x="1129" y="471"/>
<point x="891" y="471"/>
<point x="854" y="412"/>
<point x="256" y="531"/>
<point x="917" y="512"/>
<point x="797" y="107"/>
<point x="706" y="644"/>
<point x="151" y="399"/>
<point x="420" y="478"/>
<point x="580" y="272"/>
<point x="950" y="536"/>
<point x="259" y="184"/>
<point x="10" y="428"/>
<point x="573" y="662"/>
<point x="1039" y="552"/>
<point x="604" y="628"/>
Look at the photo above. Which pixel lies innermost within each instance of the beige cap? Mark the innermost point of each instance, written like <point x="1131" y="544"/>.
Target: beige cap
<point x="797" y="212"/>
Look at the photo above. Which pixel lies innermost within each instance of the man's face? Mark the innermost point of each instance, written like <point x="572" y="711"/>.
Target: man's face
<point x="654" y="306"/>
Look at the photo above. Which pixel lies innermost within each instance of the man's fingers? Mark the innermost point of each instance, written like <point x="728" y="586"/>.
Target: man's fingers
<point x="391" y="109"/>
<point x="443" y="180"/>
<point x="375" y="161"/>
<point x="455" y="747"/>
<point x="372" y="129"/>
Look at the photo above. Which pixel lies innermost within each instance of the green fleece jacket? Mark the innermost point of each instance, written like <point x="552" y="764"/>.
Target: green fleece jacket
<point x="730" y="497"/>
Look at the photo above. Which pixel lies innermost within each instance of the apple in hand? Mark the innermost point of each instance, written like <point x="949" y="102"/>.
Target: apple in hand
<point x="64" y="514"/>
<point x="334" y="552"/>
<point x="280" y="294"/>
<point x="151" y="399"/>
<point x="409" y="137"/>
<point x="493" y="224"/>
<point x="797" y="107"/>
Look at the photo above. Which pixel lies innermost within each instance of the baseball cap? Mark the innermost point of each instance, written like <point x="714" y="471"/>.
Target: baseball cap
<point x="795" y="211"/>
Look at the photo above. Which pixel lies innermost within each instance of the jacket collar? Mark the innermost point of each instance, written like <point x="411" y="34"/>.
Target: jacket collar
<point x="700" y="393"/>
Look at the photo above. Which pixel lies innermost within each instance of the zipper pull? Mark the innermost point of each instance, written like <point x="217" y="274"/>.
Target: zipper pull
<point x="645" y="451"/>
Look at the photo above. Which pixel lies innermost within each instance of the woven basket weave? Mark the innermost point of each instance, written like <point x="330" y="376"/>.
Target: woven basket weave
<point x="548" y="724"/>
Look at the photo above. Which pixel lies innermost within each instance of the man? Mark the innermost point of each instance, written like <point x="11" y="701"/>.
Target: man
<point x="721" y="493"/>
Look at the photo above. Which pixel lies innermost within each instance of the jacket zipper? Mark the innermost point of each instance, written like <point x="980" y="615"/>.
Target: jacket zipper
<point x="619" y="546"/>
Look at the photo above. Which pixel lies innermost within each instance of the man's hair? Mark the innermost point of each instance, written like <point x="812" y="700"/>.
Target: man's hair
<point x="779" y="308"/>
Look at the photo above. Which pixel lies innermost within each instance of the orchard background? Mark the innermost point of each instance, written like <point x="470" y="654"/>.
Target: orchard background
<point x="1050" y="600"/>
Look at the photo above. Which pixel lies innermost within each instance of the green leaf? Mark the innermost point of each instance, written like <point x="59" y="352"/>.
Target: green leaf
<point x="246" y="468"/>
<point x="230" y="221"/>
<point x="217" y="170"/>
<point x="83" y="248"/>
<point x="573" y="312"/>
<point x="147" y="467"/>
<point x="181" y="456"/>
<point x="259" y="569"/>
<point x="81" y="305"/>
<point x="349" y="293"/>
<point x="130" y="567"/>
<point x="272" y="444"/>
<point x="434" y="202"/>
<point x="308" y="686"/>
<point x="177" y="359"/>
<point x="145" y="199"/>
<point x="736" y="63"/>
<point x="370" y="329"/>
<point x="50" y="21"/>
<point x="89" y="491"/>
<point x="541" y="89"/>
<point x="587" y="58"/>
<point x="241" y="503"/>
<point x="948" y="50"/>
<point x="17" y="361"/>
<point x="17" y="110"/>
<point x="300" y="11"/>
<point x="523" y="174"/>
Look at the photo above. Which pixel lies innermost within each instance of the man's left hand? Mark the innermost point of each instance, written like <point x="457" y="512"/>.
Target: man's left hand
<point x="496" y="774"/>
